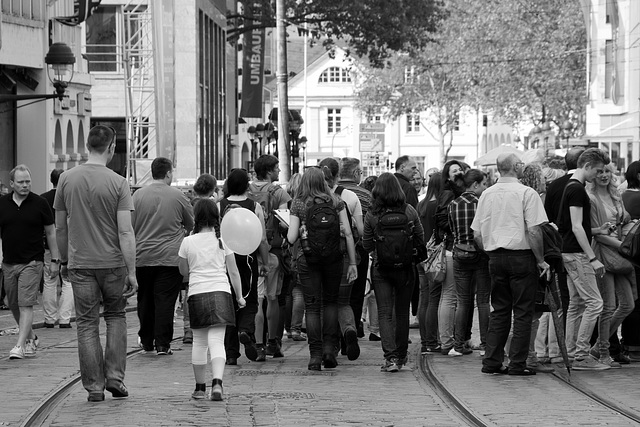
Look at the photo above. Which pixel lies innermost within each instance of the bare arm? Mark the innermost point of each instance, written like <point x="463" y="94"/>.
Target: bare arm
<point x="50" y="231"/>
<point x="534" y="236"/>
<point x="183" y="266"/>
<point x="581" y="237"/>
<point x="234" y="276"/>
<point x="477" y="237"/>
<point x="62" y="236"/>
<point x="128" y="247"/>
<point x="294" y="229"/>
<point x="352" y="271"/>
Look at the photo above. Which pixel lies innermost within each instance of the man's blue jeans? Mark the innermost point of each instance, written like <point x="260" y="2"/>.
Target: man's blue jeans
<point x="346" y="318"/>
<point x="89" y="288"/>
<point x="585" y="303"/>
<point x="514" y="281"/>
<point x="393" y="289"/>
<point x="320" y="288"/>
<point x="466" y="289"/>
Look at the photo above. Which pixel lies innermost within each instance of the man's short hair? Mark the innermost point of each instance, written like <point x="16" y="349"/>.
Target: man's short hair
<point x="401" y="161"/>
<point x="99" y="139"/>
<point x="593" y="156"/>
<point x="348" y="166"/>
<point x="265" y="164"/>
<point x="631" y="175"/>
<point x="55" y="176"/>
<point x="160" y="166"/>
<point x="205" y="185"/>
<point x="572" y="156"/>
<point x="506" y="164"/>
<point x="23" y="168"/>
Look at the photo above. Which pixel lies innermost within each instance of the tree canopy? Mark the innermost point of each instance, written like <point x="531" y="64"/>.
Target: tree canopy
<point x="522" y="60"/>
<point x="370" y="28"/>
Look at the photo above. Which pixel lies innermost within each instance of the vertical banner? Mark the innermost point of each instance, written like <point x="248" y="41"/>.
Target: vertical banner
<point x="252" y="73"/>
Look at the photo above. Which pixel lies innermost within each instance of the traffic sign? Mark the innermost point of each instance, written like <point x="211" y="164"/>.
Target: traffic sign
<point x="371" y="137"/>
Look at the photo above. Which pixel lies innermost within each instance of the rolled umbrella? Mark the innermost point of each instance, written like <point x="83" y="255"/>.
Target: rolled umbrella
<point x="552" y="299"/>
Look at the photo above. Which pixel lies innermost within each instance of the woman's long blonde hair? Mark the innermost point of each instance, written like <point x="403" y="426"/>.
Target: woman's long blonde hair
<point x="612" y="188"/>
<point x="313" y="185"/>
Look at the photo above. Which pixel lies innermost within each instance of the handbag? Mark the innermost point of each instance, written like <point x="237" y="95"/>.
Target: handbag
<point x="436" y="265"/>
<point x="630" y="247"/>
<point x="611" y="259"/>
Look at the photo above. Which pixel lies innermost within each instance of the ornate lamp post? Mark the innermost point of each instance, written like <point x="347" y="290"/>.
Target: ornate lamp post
<point x="303" y="144"/>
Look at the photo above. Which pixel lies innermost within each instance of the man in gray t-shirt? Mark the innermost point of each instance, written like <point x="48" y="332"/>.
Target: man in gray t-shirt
<point x="97" y="250"/>
<point x="162" y="217"/>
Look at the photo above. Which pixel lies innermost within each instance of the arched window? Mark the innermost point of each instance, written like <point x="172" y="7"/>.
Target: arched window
<point x="335" y="75"/>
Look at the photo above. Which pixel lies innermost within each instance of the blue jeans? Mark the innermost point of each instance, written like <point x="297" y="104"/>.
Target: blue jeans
<point x="585" y="304"/>
<point x="466" y="289"/>
<point x="447" y="307"/>
<point x="423" y="303"/>
<point x="393" y="289"/>
<point x="89" y="287"/>
<point x="613" y="287"/>
<point x="514" y="281"/>
<point x="345" y="312"/>
<point x="320" y="288"/>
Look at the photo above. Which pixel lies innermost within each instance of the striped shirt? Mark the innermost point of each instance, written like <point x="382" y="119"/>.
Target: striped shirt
<point x="461" y="213"/>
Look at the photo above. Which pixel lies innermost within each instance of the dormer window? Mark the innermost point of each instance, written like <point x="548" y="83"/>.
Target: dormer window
<point x="335" y="75"/>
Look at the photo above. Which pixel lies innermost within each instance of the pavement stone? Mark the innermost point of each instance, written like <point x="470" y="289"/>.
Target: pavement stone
<point x="282" y="392"/>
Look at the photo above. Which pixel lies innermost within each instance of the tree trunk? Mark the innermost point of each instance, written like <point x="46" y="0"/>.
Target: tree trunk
<point x="283" y="93"/>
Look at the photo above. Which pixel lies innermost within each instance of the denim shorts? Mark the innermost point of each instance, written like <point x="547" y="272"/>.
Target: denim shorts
<point x="211" y="309"/>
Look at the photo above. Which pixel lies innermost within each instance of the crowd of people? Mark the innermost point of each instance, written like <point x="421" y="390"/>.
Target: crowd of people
<point x="351" y="253"/>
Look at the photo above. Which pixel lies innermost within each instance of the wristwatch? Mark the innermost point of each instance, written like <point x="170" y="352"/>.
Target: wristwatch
<point x="56" y="260"/>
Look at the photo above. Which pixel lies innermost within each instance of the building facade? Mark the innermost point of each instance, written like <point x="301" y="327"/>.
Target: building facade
<point x="613" y="112"/>
<point x="161" y="79"/>
<point x="43" y="134"/>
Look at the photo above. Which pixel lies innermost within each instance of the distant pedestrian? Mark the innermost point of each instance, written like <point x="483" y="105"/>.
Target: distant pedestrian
<point x="55" y="309"/>
<point x="406" y="168"/>
<point x="583" y="267"/>
<point x="506" y="227"/>
<point x="93" y="221"/>
<point x="205" y="187"/>
<point x="24" y="218"/>
<point x="391" y="231"/>
<point x="317" y="217"/>
<point x="161" y="219"/>
<point x="243" y="331"/>
<point x="207" y="260"/>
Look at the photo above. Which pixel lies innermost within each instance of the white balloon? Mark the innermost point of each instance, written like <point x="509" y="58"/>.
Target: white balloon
<point x="241" y="231"/>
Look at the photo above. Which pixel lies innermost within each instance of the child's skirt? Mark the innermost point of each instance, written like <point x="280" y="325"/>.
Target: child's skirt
<point x="211" y="309"/>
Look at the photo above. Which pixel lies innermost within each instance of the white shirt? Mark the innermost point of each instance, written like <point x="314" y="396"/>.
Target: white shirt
<point x="505" y="212"/>
<point x="207" y="268"/>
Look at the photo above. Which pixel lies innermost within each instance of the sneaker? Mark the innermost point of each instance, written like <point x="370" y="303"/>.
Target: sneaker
<point x="250" y="349"/>
<point x="402" y="361"/>
<point x="589" y="363"/>
<point x="198" y="394"/>
<point x="16" y="353"/>
<point x="188" y="337"/>
<point x="540" y="367"/>
<point x="35" y="341"/>
<point x="353" y="349"/>
<point x="426" y="350"/>
<point x="556" y="359"/>
<point x="621" y="358"/>
<point x="29" y="348"/>
<point x="262" y="354"/>
<point x="298" y="336"/>
<point x="463" y="351"/>
<point x="274" y="348"/>
<point x="595" y="352"/>
<point x="374" y="337"/>
<point x="445" y="351"/>
<point x="608" y="360"/>
<point x="216" y="390"/>
<point x="390" y="365"/>
<point x="164" y="351"/>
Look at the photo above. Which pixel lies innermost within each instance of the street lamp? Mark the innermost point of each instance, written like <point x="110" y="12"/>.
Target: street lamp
<point x="566" y="129"/>
<point x="295" y="123"/>
<point x="251" y="130"/>
<point x="59" y="60"/>
<point x="303" y="145"/>
<point x="534" y="137"/>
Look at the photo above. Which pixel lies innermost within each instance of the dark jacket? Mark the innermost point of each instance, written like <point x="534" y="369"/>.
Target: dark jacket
<point x="411" y="197"/>
<point x="441" y="229"/>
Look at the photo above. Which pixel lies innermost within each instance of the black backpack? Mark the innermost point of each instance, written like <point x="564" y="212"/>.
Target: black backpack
<point x="323" y="233"/>
<point x="394" y="240"/>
